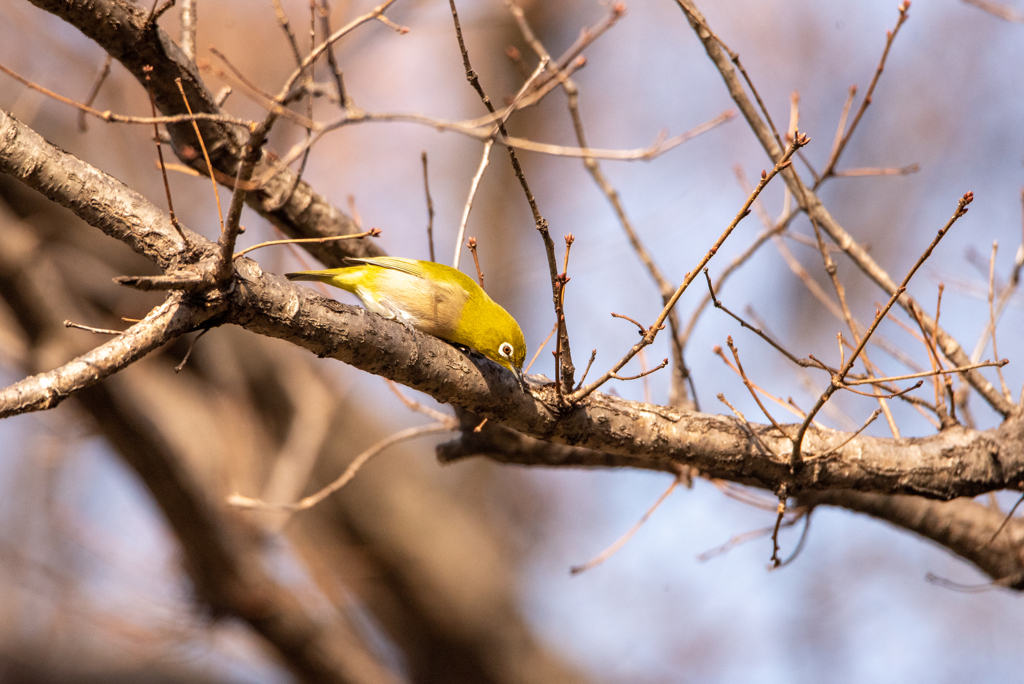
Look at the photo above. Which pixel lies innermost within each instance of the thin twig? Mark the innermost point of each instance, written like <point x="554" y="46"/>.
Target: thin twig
<point x="851" y="323"/>
<point x="878" y="171"/>
<point x="746" y="424"/>
<point x="890" y="36"/>
<point x="734" y="541"/>
<point x="120" y="118"/>
<point x="430" y="206"/>
<point x="997" y="9"/>
<point x="652" y="331"/>
<point x="841" y="128"/>
<point x="945" y="419"/>
<point x="780" y="513"/>
<point x="373" y="232"/>
<point x="733" y="266"/>
<point x="874" y="414"/>
<point x="593" y="355"/>
<point x="160" y="155"/>
<point x="188" y="352"/>
<point x="812" y="363"/>
<point x="788" y="405"/>
<point x="795" y="457"/>
<point x="803" y="537"/>
<point x="926" y="374"/>
<point x="251" y="155"/>
<point x="543" y="344"/>
<point x="485" y="159"/>
<point x="471" y="243"/>
<point x="244" y="502"/>
<point x="486" y="155"/>
<point x="624" y="539"/>
<point x="992" y="317"/>
<point x="659" y="146"/>
<point x="750" y="387"/>
<point x="89" y="328"/>
<point x="314" y="54"/>
<point x="94" y="91"/>
<point x="206" y="155"/>
<point x="287" y="28"/>
<point x="564" y="370"/>
<point x="339" y="78"/>
<point x="1005" y="520"/>
<point x="642" y="374"/>
<point x="416" y="406"/>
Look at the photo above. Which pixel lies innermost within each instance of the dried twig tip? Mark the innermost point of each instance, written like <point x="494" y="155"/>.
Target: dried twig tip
<point x="619" y="8"/>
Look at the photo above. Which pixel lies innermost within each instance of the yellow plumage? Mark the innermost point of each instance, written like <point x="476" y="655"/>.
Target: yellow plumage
<point x="434" y="298"/>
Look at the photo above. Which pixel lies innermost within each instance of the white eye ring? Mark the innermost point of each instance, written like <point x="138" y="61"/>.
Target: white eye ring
<point x="505" y="349"/>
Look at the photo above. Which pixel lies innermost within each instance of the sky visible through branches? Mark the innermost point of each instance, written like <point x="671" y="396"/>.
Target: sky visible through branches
<point x="948" y="100"/>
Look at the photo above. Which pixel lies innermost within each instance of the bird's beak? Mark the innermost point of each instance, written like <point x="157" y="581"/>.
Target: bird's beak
<point x="518" y="372"/>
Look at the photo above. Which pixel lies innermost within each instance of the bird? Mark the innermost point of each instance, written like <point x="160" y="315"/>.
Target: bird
<point x="436" y="299"/>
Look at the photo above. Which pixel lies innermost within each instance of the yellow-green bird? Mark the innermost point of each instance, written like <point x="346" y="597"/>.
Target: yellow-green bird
<point x="434" y="298"/>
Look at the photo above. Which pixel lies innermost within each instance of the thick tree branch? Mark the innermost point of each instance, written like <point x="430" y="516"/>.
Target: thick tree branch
<point x="98" y="198"/>
<point x="602" y="431"/>
<point x="120" y="28"/>
<point x="612" y="432"/>
<point x="957" y="462"/>
<point x="964" y="527"/>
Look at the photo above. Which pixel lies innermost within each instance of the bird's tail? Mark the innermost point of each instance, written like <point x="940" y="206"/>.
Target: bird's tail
<point x="322" y="276"/>
<point x="347" y="278"/>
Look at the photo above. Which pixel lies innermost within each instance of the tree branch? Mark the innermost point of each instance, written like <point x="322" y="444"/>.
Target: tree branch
<point x="811" y="204"/>
<point x="120" y="28"/>
<point x="47" y="390"/>
<point x="957" y="462"/>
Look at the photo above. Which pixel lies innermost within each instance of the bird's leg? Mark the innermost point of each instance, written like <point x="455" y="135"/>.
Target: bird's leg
<point x="395" y="314"/>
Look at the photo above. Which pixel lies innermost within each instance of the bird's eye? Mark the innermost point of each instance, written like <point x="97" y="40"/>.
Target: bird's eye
<point x="505" y="349"/>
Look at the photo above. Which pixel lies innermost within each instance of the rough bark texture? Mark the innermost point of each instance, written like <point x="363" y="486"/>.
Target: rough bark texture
<point x="458" y="620"/>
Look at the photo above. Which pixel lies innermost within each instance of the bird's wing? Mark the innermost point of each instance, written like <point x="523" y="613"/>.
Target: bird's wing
<point x="409" y="266"/>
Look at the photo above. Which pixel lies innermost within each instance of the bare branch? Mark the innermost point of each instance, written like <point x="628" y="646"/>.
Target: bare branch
<point x="47" y="390"/>
<point x="811" y="203"/>
<point x="652" y="331"/>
